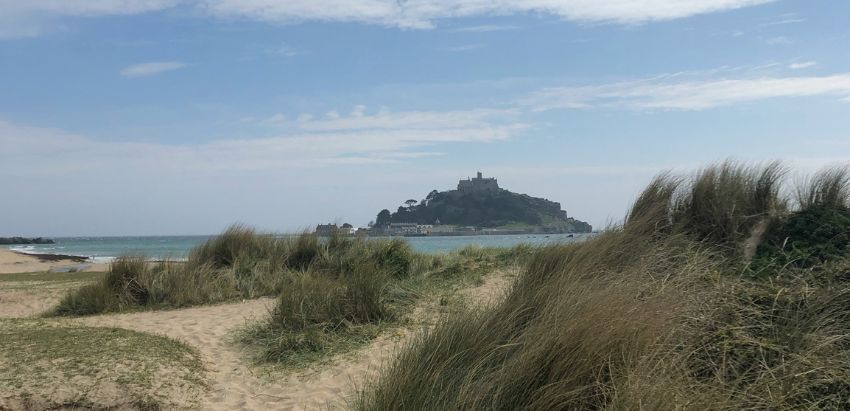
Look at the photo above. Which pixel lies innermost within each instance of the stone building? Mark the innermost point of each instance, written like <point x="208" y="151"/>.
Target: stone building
<point x="326" y="230"/>
<point x="478" y="184"/>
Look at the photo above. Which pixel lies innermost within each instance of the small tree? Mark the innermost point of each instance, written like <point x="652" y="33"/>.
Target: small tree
<point x="384" y="218"/>
<point x="410" y="203"/>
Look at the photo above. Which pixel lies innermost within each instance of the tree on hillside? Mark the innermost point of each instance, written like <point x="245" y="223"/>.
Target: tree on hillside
<point x="410" y="203"/>
<point x="383" y="218"/>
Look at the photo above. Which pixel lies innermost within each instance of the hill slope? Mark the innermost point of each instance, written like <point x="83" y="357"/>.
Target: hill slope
<point x="496" y="208"/>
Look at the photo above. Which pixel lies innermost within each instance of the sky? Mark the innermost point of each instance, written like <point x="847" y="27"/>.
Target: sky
<point x="173" y="117"/>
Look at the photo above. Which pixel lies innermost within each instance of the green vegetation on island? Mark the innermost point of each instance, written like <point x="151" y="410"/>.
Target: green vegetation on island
<point x="479" y="202"/>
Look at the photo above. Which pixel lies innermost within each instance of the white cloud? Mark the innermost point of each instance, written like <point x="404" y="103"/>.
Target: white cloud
<point x="485" y="28"/>
<point x="27" y="18"/>
<point x="672" y="92"/>
<point x="357" y="139"/>
<point x="409" y="120"/>
<point x="422" y="13"/>
<point x="802" y="65"/>
<point x="151" y="69"/>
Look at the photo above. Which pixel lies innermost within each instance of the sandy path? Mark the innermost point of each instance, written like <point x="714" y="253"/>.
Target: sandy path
<point x="235" y="385"/>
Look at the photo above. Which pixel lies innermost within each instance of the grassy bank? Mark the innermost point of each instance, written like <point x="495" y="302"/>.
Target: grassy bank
<point x="240" y="263"/>
<point x="332" y="294"/>
<point x="45" y="365"/>
<point x="719" y="291"/>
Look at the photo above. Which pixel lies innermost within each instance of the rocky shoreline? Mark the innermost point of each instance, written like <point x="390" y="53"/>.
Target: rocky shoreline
<point x="25" y="240"/>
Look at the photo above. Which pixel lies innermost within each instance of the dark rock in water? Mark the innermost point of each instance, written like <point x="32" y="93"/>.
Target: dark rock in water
<point x="58" y="257"/>
<point x="24" y="240"/>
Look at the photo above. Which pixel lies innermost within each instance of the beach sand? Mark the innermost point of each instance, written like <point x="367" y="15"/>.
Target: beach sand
<point x="13" y="262"/>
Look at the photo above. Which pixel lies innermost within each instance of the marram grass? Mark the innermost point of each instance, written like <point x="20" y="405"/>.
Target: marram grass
<point x="664" y="312"/>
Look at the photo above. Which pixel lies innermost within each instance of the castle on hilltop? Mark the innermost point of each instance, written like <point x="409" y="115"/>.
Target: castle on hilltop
<point x="478" y="184"/>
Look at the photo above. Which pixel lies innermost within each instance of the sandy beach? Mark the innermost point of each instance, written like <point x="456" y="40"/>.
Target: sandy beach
<point x="12" y="262"/>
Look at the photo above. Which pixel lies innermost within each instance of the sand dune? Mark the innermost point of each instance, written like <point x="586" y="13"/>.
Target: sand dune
<point x="234" y="382"/>
<point x="237" y="385"/>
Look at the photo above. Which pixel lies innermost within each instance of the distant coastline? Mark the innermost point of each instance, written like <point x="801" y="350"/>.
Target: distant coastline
<point x="25" y="240"/>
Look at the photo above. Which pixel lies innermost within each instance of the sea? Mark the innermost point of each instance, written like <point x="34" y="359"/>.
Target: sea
<point x="105" y="249"/>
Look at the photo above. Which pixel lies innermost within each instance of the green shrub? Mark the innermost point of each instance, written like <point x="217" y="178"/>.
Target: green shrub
<point x="87" y="300"/>
<point x="806" y="238"/>
<point x="394" y="256"/>
<point x="127" y="277"/>
<point x="303" y="251"/>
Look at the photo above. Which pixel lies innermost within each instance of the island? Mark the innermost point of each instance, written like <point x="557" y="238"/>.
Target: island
<point x="477" y="207"/>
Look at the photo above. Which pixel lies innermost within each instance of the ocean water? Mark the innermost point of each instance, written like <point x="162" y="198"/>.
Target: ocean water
<point x="177" y="247"/>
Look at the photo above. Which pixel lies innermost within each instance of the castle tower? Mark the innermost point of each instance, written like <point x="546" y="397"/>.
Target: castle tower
<point x="478" y="184"/>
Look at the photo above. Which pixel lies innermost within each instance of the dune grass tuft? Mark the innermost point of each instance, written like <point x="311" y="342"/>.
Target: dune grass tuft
<point x="829" y="188"/>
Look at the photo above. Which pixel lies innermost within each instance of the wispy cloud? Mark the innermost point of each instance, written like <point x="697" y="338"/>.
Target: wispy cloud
<point x="357" y="138"/>
<point x="422" y="13"/>
<point x="778" y="41"/>
<point x="464" y="47"/>
<point x="411" y="120"/>
<point x="485" y="28"/>
<point x="151" y="69"/>
<point x="673" y="92"/>
<point x="802" y="65"/>
<point x="783" y="20"/>
<point x="28" y="18"/>
<point x="284" y="50"/>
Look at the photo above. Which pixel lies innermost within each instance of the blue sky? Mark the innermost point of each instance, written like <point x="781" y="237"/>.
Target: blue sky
<point x="145" y="117"/>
